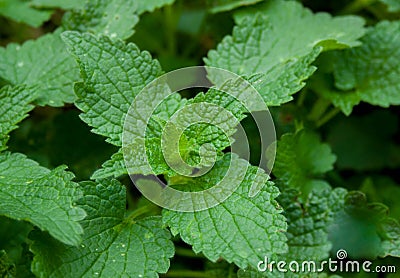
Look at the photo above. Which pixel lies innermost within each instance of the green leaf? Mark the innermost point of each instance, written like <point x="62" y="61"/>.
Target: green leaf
<point x="113" y="74"/>
<point x="43" y="197"/>
<point x="115" y="18"/>
<point x="258" y="44"/>
<point x="113" y="167"/>
<point x="241" y="229"/>
<point x="301" y="159"/>
<point x="364" y="229"/>
<point x="371" y="70"/>
<point x="360" y="149"/>
<point x="323" y="85"/>
<point x="393" y="5"/>
<point x="43" y="64"/>
<point x="151" y="5"/>
<point x="217" y="6"/>
<point x="14" y="106"/>
<point x="7" y="268"/>
<point x="279" y="83"/>
<point x="63" y="4"/>
<point x="22" y="11"/>
<point x="309" y="219"/>
<point x="391" y="238"/>
<point x="113" y="246"/>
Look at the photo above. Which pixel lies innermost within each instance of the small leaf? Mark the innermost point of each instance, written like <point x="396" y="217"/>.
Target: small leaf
<point x="301" y="159"/>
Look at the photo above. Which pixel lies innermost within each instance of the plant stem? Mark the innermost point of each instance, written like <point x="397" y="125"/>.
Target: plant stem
<point x="183" y="252"/>
<point x="170" y="29"/>
<point x="138" y="212"/>
<point x="318" y="109"/>
<point x="327" y="117"/>
<point x="185" y="273"/>
<point x="357" y="6"/>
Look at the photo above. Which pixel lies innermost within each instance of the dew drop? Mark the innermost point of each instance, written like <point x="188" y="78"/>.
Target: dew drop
<point x="20" y="64"/>
<point x="123" y="254"/>
<point x="113" y="35"/>
<point x="83" y="245"/>
<point x="96" y="273"/>
<point x="122" y="245"/>
<point x="113" y="260"/>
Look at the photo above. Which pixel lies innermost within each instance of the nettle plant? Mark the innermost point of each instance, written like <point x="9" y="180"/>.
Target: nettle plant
<point x="329" y="80"/>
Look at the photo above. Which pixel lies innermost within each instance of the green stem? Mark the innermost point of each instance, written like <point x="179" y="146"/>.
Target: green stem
<point x="170" y="25"/>
<point x="318" y="109"/>
<point x="183" y="252"/>
<point x="328" y="116"/>
<point x="302" y="96"/>
<point x="138" y="212"/>
<point x="185" y="273"/>
<point x="357" y="6"/>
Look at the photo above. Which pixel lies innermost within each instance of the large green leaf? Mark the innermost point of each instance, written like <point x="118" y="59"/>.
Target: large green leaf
<point x="112" y="246"/>
<point x="242" y="228"/>
<point x="43" y="197"/>
<point x="43" y="64"/>
<point x="372" y="70"/>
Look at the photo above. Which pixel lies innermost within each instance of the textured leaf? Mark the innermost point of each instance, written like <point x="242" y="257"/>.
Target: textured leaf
<point x="113" y="73"/>
<point x="43" y="64"/>
<point x="14" y="106"/>
<point x="113" y="246"/>
<point x="278" y="84"/>
<point x="217" y="6"/>
<point x="371" y="70"/>
<point x="308" y="219"/>
<point x="113" y="167"/>
<point x="43" y="197"/>
<point x="391" y="238"/>
<point x="22" y="11"/>
<point x="63" y="4"/>
<point x="115" y="18"/>
<point x="301" y="158"/>
<point x="257" y="43"/>
<point x="151" y="5"/>
<point x="241" y="229"/>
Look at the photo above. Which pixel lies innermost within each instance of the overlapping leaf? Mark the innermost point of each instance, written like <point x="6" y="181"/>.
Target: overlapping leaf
<point x="115" y="18"/>
<point x="241" y="229"/>
<point x="112" y="246"/>
<point x="301" y="159"/>
<point x="259" y="45"/>
<point x="372" y="70"/>
<point x="14" y="106"/>
<point x="43" y="197"/>
<point x="43" y="64"/>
